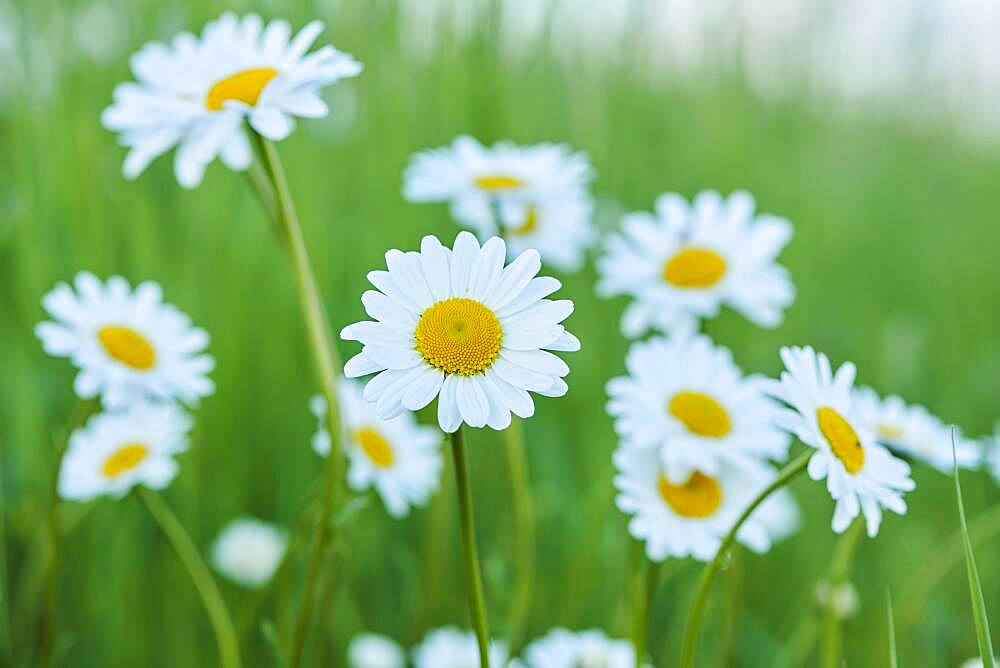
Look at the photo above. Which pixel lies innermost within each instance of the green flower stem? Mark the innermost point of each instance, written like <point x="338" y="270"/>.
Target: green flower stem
<point x="788" y="473"/>
<point x="5" y="634"/>
<point x="524" y="531"/>
<point x="473" y="576"/>
<point x="187" y="552"/>
<point x="840" y="568"/>
<point x="647" y="577"/>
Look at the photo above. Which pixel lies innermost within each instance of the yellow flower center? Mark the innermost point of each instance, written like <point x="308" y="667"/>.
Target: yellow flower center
<point x="124" y="459"/>
<point x="890" y="432"/>
<point x="842" y="439"/>
<point x="375" y="446"/>
<point x="699" y="497"/>
<point x="530" y="223"/>
<point x="459" y="336"/>
<point x="244" y="86"/>
<point x="694" y="268"/>
<point x="494" y="182"/>
<point x="127" y="346"/>
<point x="700" y="413"/>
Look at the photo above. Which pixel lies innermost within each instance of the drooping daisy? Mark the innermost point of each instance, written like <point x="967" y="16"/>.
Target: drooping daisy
<point x="370" y="650"/>
<point x="450" y="647"/>
<point x="458" y="325"/>
<point x="686" y="261"/>
<point x="249" y="551"/>
<point x="861" y="475"/>
<point x="127" y="343"/>
<point x="692" y="517"/>
<point x="122" y="448"/>
<point x="686" y="398"/>
<point x="534" y="196"/>
<point x="196" y="93"/>
<point x="399" y="458"/>
<point x="562" y="648"/>
<point x="911" y="430"/>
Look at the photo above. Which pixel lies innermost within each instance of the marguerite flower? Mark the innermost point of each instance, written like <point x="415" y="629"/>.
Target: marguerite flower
<point x="196" y="93"/>
<point x="911" y="430"/>
<point x="991" y="453"/>
<point x="562" y="648"/>
<point x="686" y="261"/>
<point x="533" y="196"/>
<point x="686" y="398"/>
<point x="127" y="343"/>
<point x="450" y="647"/>
<point x="370" y="650"/>
<point x="458" y="325"/>
<point x="861" y="475"/>
<point x="117" y="450"/>
<point x="249" y="551"/>
<point x="399" y="458"/>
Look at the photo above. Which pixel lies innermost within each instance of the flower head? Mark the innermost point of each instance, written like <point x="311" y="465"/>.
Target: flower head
<point x="991" y="453"/>
<point x="370" y="650"/>
<point x="248" y="551"/>
<point x="450" y="647"/>
<point x="562" y="648"/>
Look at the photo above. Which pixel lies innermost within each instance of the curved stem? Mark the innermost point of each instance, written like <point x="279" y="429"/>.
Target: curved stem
<point x="524" y="531"/>
<point x="840" y="567"/>
<point x="473" y="576"/>
<point x="786" y="474"/>
<point x="647" y="576"/>
<point x="187" y="552"/>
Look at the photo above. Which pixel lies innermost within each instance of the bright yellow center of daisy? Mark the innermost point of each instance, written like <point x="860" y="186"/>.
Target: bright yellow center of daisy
<point x="694" y="268"/>
<point x="890" y="432"/>
<point x="459" y="336"/>
<point x="124" y="459"/>
<point x="496" y="182"/>
<point x="375" y="446"/>
<point x="244" y="86"/>
<point x="699" y="497"/>
<point x="127" y="346"/>
<point x="530" y="223"/>
<point x="842" y="438"/>
<point x="700" y="413"/>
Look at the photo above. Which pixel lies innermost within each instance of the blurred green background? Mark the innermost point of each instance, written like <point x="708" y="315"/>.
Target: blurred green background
<point x="894" y="258"/>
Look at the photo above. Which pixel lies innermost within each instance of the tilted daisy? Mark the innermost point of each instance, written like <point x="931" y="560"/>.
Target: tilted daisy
<point x="686" y="261"/>
<point x="370" y="650"/>
<point x="120" y="449"/>
<point x="450" y="647"/>
<point x="460" y="326"/>
<point x="196" y="93"/>
<point x="249" y="551"/>
<point x="911" y="430"/>
<point x="127" y="343"/>
<point x="399" y="458"/>
<point x="562" y="648"/>
<point x="686" y="398"/>
<point x="861" y="475"/>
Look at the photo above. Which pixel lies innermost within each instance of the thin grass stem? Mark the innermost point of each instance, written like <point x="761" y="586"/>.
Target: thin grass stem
<point x="840" y="567"/>
<point x="524" y="531"/>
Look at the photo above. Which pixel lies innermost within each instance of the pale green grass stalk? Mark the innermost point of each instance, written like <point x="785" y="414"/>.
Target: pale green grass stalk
<point x="893" y="654"/>
<point x="840" y="567"/>
<point x="523" y="507"/>
<point x="647" y="577"/>
<point x="5" y="635"/>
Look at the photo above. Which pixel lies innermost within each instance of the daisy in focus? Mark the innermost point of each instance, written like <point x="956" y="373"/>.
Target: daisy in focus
<point x="370" y="650"/>
<point x="861" y="475"/>
<point x="119" y="449"/>
<point x="128" y="344"/>
<point x="562" y="648"/>
<point x="460" y="326"/>
<point x="399" y="458"/>
<point x="533" y="196"/>
<point x="687" y="399"/>
<point x="248" y="551"/>
<point x="450" y="647"/>
<point x="686" y="261"/>
<point x="196" y="93"/>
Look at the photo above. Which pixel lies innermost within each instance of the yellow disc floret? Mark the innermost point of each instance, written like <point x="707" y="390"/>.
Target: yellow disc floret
<point x="700" y="413"/>
<point x="459" y="336"/>
<point x="842" y="438"/>
<point x="127" y="346"/>
<point x="495" y="182"/>
<point x="375" y="446"/>
<point x="529" y="225"/>
<point x="244" y="86"/>
<point x="124" y="459"/>
<point x="699" y="497"/>
<point x="694" y="268"/>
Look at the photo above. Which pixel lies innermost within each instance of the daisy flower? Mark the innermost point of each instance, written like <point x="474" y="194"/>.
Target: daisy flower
<point x="991" y="453"/>
<point x="196" y="93"/>
<point x="249" y="551"/>
<point x="692" y="517"/>
<point x="686" y="261"/>
<point x="562" y="648"/>
<point x="533" y="196"/>
<point x="450" y="647"/>
<point x="686" y="398"/>
<point x="398" y="457"/>
<point x="911" y="430"/>
<point x="459" y="326"/>
<point x="127" y="343"/>
<point x="861" y="475"/>
<point x="117" y="450"/>
<point x="370" y="650"/>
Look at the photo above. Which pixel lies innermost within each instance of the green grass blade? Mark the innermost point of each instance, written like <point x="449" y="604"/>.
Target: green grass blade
<point x="893" y="658"/>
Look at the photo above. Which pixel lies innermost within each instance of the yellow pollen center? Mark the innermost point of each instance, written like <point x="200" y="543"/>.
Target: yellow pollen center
<point x="530" y="223"/>
<point x="842" y="438"/>
<point x="124" y="459"/>
<point x="127" y="346"/>
<point x="890" y="432"/>
<point x="699" y="497"/>
<point x="459" y="336"/>
<point x="494" y="182"/>
<point x="694" y="268"/>
<point x="700" y="413"/>
<point x="375" y="446"/>
<point x="244" y="86"/>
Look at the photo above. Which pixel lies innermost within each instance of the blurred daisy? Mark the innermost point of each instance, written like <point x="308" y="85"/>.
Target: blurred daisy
<point x="127" y="343"/>
<point x="398" y="457"/>
<point x="562" y="648"/>
<point x="691" y="518"/>
<point x="911" y="430"/>
<point x="369" y="650"/>
<point x="117" y="450"/>
<point x="991" y="454"/>
<point x="533" y="196"/>
<point x="861" y="475"/>
<point x="248" y="551"/>
<point x="450" y="647"/>
<point x="196" y="93"/>
<point x="843" y="598"/>
<point x="458" y="325"/>
<point x="976" y="662"/>
<point x="686" y="398"/>
<point x="683" y="263"/>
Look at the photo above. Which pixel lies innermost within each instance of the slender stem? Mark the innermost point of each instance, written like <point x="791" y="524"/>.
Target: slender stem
<point x="5" y="635"/>
<point x="473" y="576"/>
<point x="204" y="583"/>
<point x="524" y="531"/>
<point x="840" y="567"/>
<point x="793" y="469"/>
<point x="647" y="576"/>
